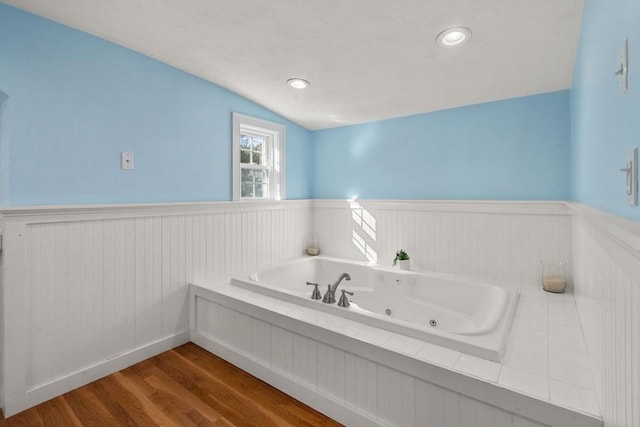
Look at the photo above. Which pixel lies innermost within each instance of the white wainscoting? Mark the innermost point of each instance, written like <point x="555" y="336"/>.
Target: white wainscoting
<point x="606" y="251"/>
<point x="87" y="291"/>
<point x="502" y="241"/>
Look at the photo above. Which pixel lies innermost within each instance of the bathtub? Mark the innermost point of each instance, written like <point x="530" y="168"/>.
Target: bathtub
<point x="467" y="316"/>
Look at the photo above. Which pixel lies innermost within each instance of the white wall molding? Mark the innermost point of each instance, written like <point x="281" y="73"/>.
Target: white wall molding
<point x="85" y="375"/>
<point x="624" y="233"/>
<point x="53" y="213"/>
<point x="63" y="213"/>
<point x="514" y="207"/>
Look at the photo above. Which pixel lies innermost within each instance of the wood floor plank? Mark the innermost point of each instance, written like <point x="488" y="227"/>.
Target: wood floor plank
<point x="164" y="383"/>
<point x="88" y="408"/>
<point x="56" y="413"/>
<point x="174" y="408"/>
<point x="242" y="383"/>
<point x="236" y="407"/>
<point x="154" y="412"/>
<point x="186" y="386"/>
<point x="27" y="418"/>
<point x="122" y="404"/>
<point x="250" y="386"/>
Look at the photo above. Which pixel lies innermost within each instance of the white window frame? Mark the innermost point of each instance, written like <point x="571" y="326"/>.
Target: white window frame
<point x="275" y="135"/>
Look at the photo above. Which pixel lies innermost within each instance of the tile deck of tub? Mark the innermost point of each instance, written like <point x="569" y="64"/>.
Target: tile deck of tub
<point x="546" y="355"/>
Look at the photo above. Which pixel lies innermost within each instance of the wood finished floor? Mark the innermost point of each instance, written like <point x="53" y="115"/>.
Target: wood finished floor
<point x="186" y="386"/>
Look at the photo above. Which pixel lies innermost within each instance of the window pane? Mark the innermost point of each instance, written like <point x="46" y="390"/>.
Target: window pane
<point x="245" y="142"/>
<point x="247" y="175"/>
<point x="260" y="175"/>
<point x="245" y="156"/>
<point x="258" y="143"/>
<point x="260" y="190"/>
<point x="257" y="158"/>
<point x="247" y="190"/>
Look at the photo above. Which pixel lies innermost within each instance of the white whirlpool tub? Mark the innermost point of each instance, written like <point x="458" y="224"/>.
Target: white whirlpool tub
<point x="468" y="316"/>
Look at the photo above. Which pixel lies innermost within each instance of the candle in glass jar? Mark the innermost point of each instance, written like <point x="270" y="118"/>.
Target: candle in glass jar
<point x="554" y="283"/>
<point x="553" y="276"/>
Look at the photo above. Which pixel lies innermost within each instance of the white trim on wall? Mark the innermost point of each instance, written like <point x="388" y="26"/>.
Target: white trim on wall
<point x="61" y="213"/>
<point x="624" y="232"/>
<point x="475" y="206"/>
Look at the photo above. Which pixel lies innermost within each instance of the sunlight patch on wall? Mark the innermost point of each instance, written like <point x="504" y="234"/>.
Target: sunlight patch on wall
<point x="364" y="222"/>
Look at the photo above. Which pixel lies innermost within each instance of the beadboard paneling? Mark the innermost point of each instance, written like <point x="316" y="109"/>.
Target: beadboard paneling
<point x="607" y="287"/>
<point x="348" y="387"/>
<point x="87" y="285"/>
<point x="502" y="241"/>
<point x="95" y="288"/>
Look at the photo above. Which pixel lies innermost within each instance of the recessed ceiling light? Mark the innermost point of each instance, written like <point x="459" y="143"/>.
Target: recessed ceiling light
<point x="454" y="37"/>
<point x="298" y="83"/>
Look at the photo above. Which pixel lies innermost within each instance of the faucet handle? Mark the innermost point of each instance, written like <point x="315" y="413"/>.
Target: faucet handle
<point x="316" y="292"/>
<point x="344" y="301"/>
<point x="329" y="296"/>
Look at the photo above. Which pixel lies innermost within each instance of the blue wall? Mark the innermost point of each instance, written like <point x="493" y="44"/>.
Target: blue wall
<point x="76" y="101"/>
<point x="605" y="126"/>
<point x="511" y="150"/>
<point x="4" y="148"/>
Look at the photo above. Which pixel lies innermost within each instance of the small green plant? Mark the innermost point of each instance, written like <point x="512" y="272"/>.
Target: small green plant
<point x="401" y="255"/>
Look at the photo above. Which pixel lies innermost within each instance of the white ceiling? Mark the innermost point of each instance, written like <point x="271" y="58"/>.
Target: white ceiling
<point x="366" y="59"/>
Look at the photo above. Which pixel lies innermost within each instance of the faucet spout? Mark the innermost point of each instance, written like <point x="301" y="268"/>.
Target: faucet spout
<point x="330" y="295"/>
<point x="344" y="276"/>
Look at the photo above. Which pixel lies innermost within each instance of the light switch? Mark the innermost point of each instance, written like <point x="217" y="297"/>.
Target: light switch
<point x="126" y="160"/>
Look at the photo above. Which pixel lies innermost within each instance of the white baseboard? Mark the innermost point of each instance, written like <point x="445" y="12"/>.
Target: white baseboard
<point x="320" y="402"/>
<point x="35" y="396"/>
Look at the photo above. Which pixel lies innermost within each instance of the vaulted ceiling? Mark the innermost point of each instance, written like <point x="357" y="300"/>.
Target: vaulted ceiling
<point x="366" y="59"/>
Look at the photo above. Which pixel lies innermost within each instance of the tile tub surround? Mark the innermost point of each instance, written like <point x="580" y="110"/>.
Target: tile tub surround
<point x="546" y="354"/>
<point x="540" y="379"/>
<point x="475" y="316"/>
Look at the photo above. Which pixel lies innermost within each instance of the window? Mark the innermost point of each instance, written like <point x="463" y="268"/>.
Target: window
<point x="258" y="159"/>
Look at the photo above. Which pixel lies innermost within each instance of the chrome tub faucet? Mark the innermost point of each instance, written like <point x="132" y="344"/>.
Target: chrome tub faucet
<point x="330" y="295"/>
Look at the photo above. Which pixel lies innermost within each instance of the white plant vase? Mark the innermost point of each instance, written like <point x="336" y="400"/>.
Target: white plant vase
<point x="404" y="264"/>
